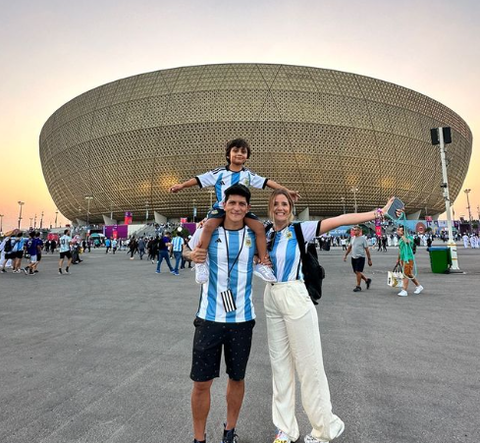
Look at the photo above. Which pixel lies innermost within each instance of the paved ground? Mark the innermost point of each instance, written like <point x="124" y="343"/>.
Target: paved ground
<point x="103" y="355"/>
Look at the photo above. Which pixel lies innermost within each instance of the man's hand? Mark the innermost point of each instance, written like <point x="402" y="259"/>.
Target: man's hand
<point x="198" y="255"/>
<point x="369" y="262"/>
<point x="175" y="188"/>
<point x="345" y="258"/>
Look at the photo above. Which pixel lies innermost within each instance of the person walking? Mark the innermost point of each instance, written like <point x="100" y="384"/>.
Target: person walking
<point x="177" y="246"/>
<point x="359" y="248"/>
<point x="406" y="260"/>
<point x="292" y="326"/>
<point x="162" y="251"/>
<point x="65" y="252"/>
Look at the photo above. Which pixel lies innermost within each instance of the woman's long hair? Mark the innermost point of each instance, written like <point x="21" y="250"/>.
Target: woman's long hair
<point x="271" y="203"/>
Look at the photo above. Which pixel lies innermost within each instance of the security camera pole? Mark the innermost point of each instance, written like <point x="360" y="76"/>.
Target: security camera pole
<point x="446" y="196"/>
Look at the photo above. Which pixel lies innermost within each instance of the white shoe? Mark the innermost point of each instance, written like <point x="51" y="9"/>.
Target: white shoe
<point x="403" y="293"/>
<point x="311" y="439"/>
<point x="265" y="273"/>
<point x="281" y="437"/>
<point x="418" y="290"/>
<point x="201" y="273"/>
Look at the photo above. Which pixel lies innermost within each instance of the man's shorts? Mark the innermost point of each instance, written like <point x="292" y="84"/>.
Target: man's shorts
<point x="18" y="254"/>
<point x="408" y="268"/>
<point x="358" y="264"/>
<point x="220" y="213"/>
<point x="33" y="259"/>
<point x="210" y="337"/>
<point x="67" y="254"/>
<point x="10" y="256"/>
<point x="39" y="257"/>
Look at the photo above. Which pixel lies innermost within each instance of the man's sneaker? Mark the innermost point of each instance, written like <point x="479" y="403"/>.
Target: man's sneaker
<point x="403" y="293"/>
<point x="229" y="436"/>
<point x="418" y="290"/>
<point x="357" y="289"/>
<point x="281" y="437"/>
<point x="311" y="439"/>
<point x="175" y="273"/>
<point x="157" y="272"/>
<point x="201" y="273"/>
<point x="67" y="271"/>
<point x="265" y="273"/>
<point x="368" y="282"/>
<point x="26" y="271"/>
<point x="3" y="271"/>
<point x="60" y="271"/>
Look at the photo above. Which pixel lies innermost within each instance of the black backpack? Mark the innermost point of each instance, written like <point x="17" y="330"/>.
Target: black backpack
<point x="8" y="246"/>
<point x="313" y="271"/>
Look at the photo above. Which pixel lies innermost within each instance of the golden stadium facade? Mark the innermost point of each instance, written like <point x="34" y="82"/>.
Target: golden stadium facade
<point x="318" y="131"/>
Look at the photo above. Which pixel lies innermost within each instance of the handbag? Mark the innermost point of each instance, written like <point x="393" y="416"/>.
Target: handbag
<point x="313" y="272"/>
<point x="395" y="277"/>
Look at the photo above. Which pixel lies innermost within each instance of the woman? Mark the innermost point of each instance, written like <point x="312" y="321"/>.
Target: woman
<point x="292" y="326"/>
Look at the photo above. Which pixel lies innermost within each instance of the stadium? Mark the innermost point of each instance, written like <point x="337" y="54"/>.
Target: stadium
<point x="342" y="140"/>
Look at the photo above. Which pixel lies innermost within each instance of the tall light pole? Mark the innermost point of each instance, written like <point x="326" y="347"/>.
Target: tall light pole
<point x="35" y="222"/>
<point x="343" y="204"/>
<point x="1" y="223"/>
<point x="478" y="213"/>
<point x="31" y="222"/>
<point x="20" y="203"/>
<point x="211" y="192"/>
<point x="354" y="189"/>
<point x="194" y="210"/>
<point x="89" y="198"/>
<point x="56" y="217"/>
<point x="146" y="212"/>
<point x="41" y="221"/>
<point x="467" y="191"/>
<point x="438" y="139"/>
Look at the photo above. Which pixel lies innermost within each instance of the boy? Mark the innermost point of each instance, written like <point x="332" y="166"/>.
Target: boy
<point x="237" y="153"/>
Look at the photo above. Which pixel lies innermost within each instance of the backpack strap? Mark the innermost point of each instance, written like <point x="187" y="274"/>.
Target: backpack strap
<point x="301" y="244"/>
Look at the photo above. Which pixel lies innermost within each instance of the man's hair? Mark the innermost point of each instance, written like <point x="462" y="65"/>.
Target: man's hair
<point x="238" y="189"/>
<point x="32" y="234"/>
<point x="237" y="143"/>
<point x="66" y="231"/>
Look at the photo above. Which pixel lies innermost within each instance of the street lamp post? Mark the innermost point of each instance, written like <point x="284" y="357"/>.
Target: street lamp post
<point x="1" y="223"/>
<point x="343" y="204"/>
<point x="146" y="212"/>
<point x="20" y="203"/>
<point x="89" y="198"/>
<point x="467" y="191"/>
<point x="56" y="217"/>
<point x="35" y="222"/>
<point x="354" y="189"/>
<point x="41" y="221"/>
<point x="31" y="223"/>
<point x="194" y="210"/>
<point x="211" y="192"/>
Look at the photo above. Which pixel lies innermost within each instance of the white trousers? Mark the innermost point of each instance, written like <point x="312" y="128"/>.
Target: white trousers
<point x="294" y="344"/>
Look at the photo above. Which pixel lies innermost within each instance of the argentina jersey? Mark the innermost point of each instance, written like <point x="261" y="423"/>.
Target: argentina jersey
<point x="222" y="178"/>
<point x="240" y="262"/>
<point x="285" y="254"/>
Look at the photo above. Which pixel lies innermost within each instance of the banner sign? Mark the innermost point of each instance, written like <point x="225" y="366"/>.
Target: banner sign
<point x="128" y="218"/>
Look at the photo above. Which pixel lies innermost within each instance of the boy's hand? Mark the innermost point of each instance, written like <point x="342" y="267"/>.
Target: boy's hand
<point x="176" y="188"/>
<point x="295" y="195"/>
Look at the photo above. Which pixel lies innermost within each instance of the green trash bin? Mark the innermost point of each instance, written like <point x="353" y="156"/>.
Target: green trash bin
<point x="440" y="259"/>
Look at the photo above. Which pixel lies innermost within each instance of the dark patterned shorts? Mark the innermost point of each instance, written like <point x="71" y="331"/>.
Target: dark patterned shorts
<point x="210" y="337"/>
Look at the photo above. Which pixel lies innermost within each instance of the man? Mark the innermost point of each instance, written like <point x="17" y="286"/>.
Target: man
<point x="226" y="317"/>
<point x="359" y="247"/>
<point x="406" y="259"/>
<point x="177" y="246"/>
<point x="17" y="250"/>
<point x="65" y="241"/>
<point x="32" y="246"/>
<point x="162" y="253"/>
<point x="108" y="245"/>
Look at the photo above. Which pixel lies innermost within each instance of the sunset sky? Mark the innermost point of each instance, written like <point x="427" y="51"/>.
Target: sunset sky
<point x="52" y="51"/>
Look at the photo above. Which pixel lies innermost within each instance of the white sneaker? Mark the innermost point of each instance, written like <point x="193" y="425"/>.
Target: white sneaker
<point x="311" y="439"/>
<point x="418" y="290"/>
<point x="403" y="293"/>
<point x="281" y="437"/>
<point x="265" y="273"/>
<point x="201" y="273"/>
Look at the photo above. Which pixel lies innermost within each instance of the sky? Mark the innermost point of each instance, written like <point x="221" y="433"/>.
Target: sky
<point x="52" y="51"/>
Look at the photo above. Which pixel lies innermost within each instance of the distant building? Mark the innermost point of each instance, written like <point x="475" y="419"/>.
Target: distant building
<point x="318" y="131"/>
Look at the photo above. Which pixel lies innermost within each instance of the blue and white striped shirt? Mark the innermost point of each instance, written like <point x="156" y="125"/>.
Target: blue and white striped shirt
<point x="285" y="254"/>
<point x="177" y="243"/>
<point x="211" y="304"/>
<point x="222" y="178"/>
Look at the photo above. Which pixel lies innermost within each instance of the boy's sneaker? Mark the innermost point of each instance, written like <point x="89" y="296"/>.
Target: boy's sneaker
<point x="281" y="437"/>
<point x="3" y="271"/>
<point x="418" y="290"/>
<point x="357" y="289"/>
<point x="60" y="271"/>
<point x="368" y="282"/>
<point x="403" y="293"/>
<point x="67" y="271"/>
<point x="229" y="436"/>
<point x="201" y="273"/>
<point x="265" y="273"/>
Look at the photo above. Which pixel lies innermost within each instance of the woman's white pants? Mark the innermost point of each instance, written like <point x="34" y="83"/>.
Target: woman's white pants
<point x="294" y="344"/>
